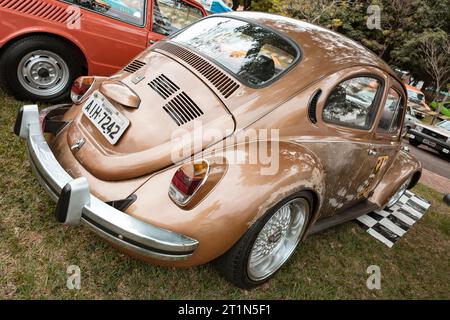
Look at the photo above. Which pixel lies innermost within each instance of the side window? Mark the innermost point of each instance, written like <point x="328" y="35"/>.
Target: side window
<point x="170" y="16"/>
<point x="130" y="11"/>
<point x="393" y="110"/>
<point x="352" y="103"/>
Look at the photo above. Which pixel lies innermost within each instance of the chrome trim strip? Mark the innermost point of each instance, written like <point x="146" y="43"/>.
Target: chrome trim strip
<point x="132" y="247"/>
<point x="113" y="225"/>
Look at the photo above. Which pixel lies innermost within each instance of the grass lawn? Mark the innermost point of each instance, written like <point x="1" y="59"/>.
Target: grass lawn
<point x="35" y="252"/>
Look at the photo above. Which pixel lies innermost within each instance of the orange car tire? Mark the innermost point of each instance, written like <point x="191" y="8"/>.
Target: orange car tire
<point x="57" y="52"/>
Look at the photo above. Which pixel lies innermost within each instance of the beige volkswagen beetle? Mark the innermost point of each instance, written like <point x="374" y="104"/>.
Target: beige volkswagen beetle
<point x="230" y="141"/>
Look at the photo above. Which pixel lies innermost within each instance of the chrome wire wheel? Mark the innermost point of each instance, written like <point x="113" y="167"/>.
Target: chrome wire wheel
<point x="393" y="200"/>
<point x="43" y="73"/>
<point x="278" y="239"/>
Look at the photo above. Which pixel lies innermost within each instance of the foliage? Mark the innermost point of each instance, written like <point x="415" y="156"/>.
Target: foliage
<point x="435" y="52"/>
<point x="404" y="24"/>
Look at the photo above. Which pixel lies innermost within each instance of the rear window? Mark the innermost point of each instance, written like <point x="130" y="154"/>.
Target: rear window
<point x="254" y="54"/>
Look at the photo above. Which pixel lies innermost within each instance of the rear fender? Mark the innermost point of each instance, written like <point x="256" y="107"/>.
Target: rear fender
<point x="239" y="199"/>
<point x="298" y="169"/>
<point x="10" y="36"/>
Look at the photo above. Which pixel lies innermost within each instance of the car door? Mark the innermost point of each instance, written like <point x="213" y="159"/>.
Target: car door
<point x="111" y="32"/>
<point x="348" y="154"/>
<point x="169" y="16"/>
<point x="389" y="126"/>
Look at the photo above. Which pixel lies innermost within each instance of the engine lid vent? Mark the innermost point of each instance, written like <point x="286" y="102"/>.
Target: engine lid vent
<point x="182" y="109"/>
<point x="222" y="82"/>
<point x="163" y="86"/>
<point x="43" y="10"/>
<point x="134" y="66"/>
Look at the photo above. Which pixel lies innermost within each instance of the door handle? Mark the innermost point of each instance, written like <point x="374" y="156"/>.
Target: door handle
<point x="372" y="152"/>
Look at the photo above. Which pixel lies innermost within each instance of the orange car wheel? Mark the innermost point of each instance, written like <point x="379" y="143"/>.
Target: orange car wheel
<point x="39" y="68"/>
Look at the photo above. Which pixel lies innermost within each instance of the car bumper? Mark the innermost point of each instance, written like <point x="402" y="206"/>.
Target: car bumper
<point x="115" y="226"/>
<point x="430" y="141"/>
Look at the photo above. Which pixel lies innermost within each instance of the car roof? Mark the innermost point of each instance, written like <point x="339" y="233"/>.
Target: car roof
<point x="319" y="44"/>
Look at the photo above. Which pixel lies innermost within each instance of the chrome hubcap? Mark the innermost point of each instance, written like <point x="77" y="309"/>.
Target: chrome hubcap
<point x="393" y="200"/>
<point x="43" y="73"/>
<point x="277" y="239"/>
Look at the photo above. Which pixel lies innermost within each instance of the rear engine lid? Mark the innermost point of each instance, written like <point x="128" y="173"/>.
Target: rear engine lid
<point x="175" y="106"/>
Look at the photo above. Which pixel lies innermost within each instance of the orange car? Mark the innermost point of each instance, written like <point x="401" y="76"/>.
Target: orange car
<point x="46" y="44"/>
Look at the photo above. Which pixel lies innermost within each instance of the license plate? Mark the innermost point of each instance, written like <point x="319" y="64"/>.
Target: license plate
<point x="105" y="117"/>
<point x="429" y="143"/>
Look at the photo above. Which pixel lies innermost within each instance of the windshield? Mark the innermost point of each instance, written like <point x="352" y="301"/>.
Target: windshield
<point x="415" y="96"/>
<point x="254" y="54"/>
<point x="444" y="125"/>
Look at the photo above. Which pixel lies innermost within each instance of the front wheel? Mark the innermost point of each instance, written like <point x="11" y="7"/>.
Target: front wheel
<point x="414" y="143"/>
<point x="39" y="68"/>
<point x="268" y="244"/>
<point x="445" y="155"/>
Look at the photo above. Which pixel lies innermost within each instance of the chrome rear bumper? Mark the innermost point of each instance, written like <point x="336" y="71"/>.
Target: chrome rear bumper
<point x="115" y="226"/>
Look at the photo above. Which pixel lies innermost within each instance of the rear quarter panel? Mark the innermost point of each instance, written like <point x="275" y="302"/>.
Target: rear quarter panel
<point x="242" y="197"/>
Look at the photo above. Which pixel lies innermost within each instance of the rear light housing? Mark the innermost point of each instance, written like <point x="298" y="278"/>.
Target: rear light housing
<point x="80" y="88"/>
<point x="187" y="180"/>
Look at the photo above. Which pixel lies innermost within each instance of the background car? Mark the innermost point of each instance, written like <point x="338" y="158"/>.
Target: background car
<point x="437" y="137"/>
<point x="164" y="160"/>
<point x="217" y="6"/>
<point x="410" y="121"/>
<point x="46" y="44"/>
<point x="416" y="100"/>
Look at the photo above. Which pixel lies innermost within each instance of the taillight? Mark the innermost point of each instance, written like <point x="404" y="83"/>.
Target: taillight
<point x="80" y="87"/>
<point x="187" y="180"/>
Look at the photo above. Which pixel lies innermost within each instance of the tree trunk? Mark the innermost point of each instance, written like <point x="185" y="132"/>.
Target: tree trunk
<point x="438" y="104"/>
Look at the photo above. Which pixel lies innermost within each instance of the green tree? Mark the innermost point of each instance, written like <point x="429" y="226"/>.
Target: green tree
<point x="404" y="25"/>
